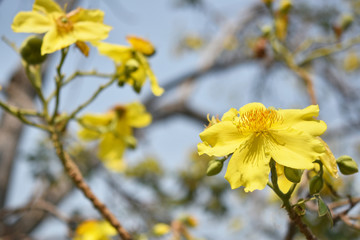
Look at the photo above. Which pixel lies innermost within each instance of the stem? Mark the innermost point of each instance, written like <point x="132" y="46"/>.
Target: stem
<point x="74" y="173"/>
<point x="294" y="217"/>
<point x="36" y="80"/>
<point x="21" y="113"/>
<point x="96" y="93"/>
<point x="79" y="74"/>
<point x="58" y="79"/>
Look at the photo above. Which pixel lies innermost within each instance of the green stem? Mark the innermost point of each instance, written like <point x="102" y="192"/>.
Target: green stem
<point x="34" y="75"/>
<point x="79" y="74"/>
<point x="21" y="113"/>
<point x="96" y="93"/>
<point x="294" y="217"/>
<point x="58" y="80"/>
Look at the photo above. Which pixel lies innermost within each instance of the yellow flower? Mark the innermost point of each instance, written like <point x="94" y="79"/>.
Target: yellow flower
<point x="255" y="134"/>
<point x="131" y="62"/>
<point x="62" y="29"/>
<point x="114" y="129"/>
<point x="94" y="230"/>
<point x="160" y="229"/>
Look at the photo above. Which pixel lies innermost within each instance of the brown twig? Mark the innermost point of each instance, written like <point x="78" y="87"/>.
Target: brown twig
<point x="74" y="173"/>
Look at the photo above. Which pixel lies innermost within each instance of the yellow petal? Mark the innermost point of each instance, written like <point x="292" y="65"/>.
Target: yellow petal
<point x="92" y="125"/>
<point x="87" y="15"/>
<point x="115" y="164"/>
<point x="94" y="230"/>
<point x="283" y="182"/>
<point x="220" y="139"/>
<point x="161" y="229"/>
<point x="111" y="147"/>
<point x="249" y="167"/>
<point x="155" y="88"/>
<point x="98" y="119"/>
<point x="118" y="53"/>
<point x="250" y="107"/>
<point x="303" y="120"/>
<point x="107" y="228"/>
<point x="54" y="40"/>
<point x="90" y="31"/>
<point x="229" y="115"/>
<point x="329" y="161"/>
<point x="47" y="6"/>
<point x="31" y="22"/>
<point x="88" y="134"/>
<point x="293" y="148"/>
<point x="136" y="115"/>
<point x="141" y="45"/>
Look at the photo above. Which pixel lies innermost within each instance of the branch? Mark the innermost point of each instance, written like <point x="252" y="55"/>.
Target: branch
<point x="74" y="173"/>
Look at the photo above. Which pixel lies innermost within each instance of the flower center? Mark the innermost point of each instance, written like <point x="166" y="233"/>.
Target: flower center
<point x="258" y="120"/>
<point x="64" y="25"/>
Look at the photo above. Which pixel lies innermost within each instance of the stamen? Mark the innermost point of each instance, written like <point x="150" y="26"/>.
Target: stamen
<point x="258" y="120"/>
<point x="63" y="24"/>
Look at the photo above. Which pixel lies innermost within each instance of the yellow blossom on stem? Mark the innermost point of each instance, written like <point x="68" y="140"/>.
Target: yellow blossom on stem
<point x="94" y="230"/>
<point x="131" y="62"/>
<point x="255" y="134"/>
<point x="61" y="29"/>
<point x="114" y="129"/>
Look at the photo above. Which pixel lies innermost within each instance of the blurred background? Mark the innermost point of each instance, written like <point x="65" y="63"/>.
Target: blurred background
<point x="210" y="56"/>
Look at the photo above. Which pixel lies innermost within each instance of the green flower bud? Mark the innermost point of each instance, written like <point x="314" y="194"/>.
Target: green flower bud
<point x="285" y="6"/>
<point x="293" y="175"/>
<point x="30" y="50"/>
<point x="346" y="21"/>
<point x="316" y="184"/>
<point x="266" y="30"/>
<point x="214" y="167"/>
<point x="347" y="165"/>
<point x="131" y="66"/>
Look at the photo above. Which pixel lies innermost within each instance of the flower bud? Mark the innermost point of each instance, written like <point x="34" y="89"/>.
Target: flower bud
<point x="30" y="50"/>
<point x="285" y="6"/>
<point x="131" y="66"/>
<point x="346" y="21"/>
<point x="347" y="165"/>
<point x="293" y="175"/>
<point x="266" y="30"/>
<point x="214" y="167"/>
<point x="316" y="184"/>
<point x="161" y="229"/>
<point x="268" y="2"/>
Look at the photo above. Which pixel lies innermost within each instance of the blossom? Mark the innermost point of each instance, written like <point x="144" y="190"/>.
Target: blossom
<point x="61" y="29"/>
<point x="255" y="134"/>
<point x="94" y="230"/>
<point x="131" y="62"/>
<point x="114" y="129"/>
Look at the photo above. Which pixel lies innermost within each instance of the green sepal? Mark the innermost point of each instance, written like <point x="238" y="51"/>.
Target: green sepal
<point x="323" y="209"/>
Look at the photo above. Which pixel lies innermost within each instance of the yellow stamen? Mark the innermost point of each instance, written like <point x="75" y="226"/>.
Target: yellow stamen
<point x="258" y="120"/>
<point x="63" y="24"/>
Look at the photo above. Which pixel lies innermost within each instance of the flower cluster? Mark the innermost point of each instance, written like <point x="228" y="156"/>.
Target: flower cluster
<point x="255" y="134"/>
<point x="114" y="129"/>
<point x="78" y="26"/>
<point x="132" y="62"/>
